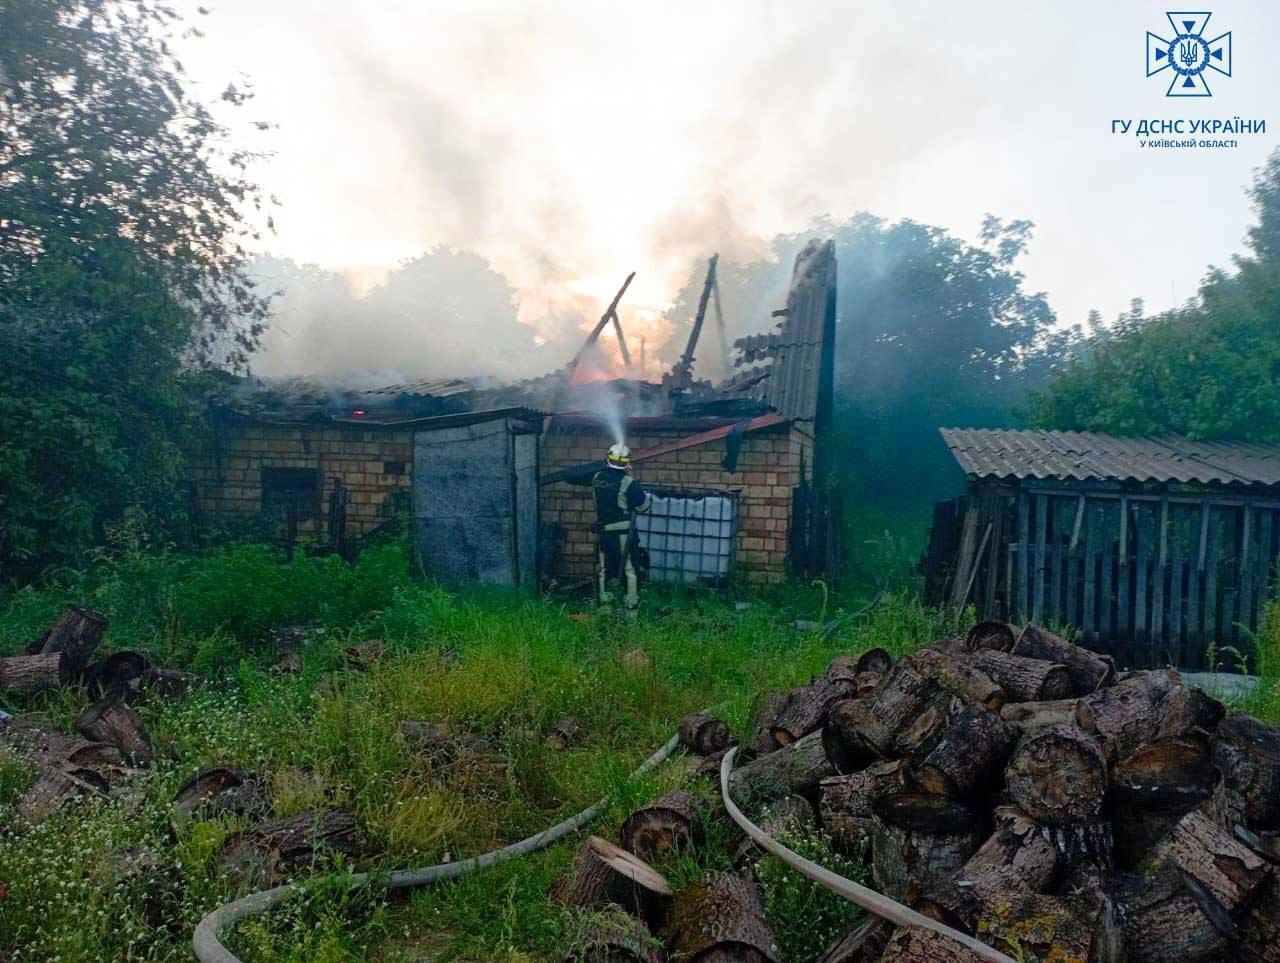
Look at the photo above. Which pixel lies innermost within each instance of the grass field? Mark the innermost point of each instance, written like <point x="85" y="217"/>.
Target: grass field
<point x="501" y="666"/>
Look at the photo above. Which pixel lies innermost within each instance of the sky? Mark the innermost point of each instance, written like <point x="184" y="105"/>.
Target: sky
<point x="572" y="142"/>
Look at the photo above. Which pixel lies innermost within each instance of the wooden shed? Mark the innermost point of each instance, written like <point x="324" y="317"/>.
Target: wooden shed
<point x="1157" y="550"/>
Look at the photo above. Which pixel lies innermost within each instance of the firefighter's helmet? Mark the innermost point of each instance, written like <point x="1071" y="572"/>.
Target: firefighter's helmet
<point x="619" y="456"/>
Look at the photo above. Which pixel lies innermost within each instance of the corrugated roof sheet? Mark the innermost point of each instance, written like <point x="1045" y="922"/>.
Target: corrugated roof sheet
<point x="1091" y="456"/>
<point x="431" y="388"/>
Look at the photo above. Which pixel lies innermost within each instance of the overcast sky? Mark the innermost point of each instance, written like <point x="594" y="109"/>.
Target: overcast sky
<point x="572" y="142"/>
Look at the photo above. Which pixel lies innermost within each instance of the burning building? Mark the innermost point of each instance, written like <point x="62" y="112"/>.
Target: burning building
<point x="736" y="468"/>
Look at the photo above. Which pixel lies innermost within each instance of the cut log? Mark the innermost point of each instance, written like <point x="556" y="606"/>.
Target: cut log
<point x="865" y="943"/>
<point x="1260" y="931"/>
<point x="1017" y="858"/>
<point x="843" y="668"/>
<point x="704" y="734"/>
<point x="663" y="825"/>
<point x="762" y="741"/>
<point x="1125" y="713"/>
<point x="1023" y="679"/>
<point x="806" y="709"/>
<point x="55" y="788"/>
<point x="796" y="769"/>
<point x="842" y="738"/>
<point x="845" y="801"/>
<point x="920" y="841"/>
<point x="1162" y="921"/>
<point x="604" y="873"/>
<point x="866" y="683"/>
<point x="1058" y="776"/>
<point x="617" y="939"/>
<point x="564" y="734"/>
<point x="1217" y="869"/>
<point x="113" y="721"/>
<point x="77" y="633"/>
<point x="708" y="767"/>
<point x="28" y="674"/>
<point x="875" y="660"/>
<point x="219" y="790"/>
<point x="1184" y="710"/>
<point x="719" y="919"/>
<point x="1084" y="846"/>
<point x="1089" y="671"/>
<point x="1152" y="789"/>
<point x="999" y="636"/>
<point x="787" y="816"/>
<point x="1246" y="752"/>
<point x="1035" y="926"/>
<point x="971" y="684"/>
<point x="86" y="754"/>
<point x="915" y="944"/>
<point x="969" y="756"/>
<point x="264" y="852"/>
<point x="116" y="674"/>
<point x="896" y="705"/>
<point x="1032" y="716"/>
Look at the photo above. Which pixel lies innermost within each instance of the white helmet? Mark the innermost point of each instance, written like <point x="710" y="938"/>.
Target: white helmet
<point x="619" y="456"/>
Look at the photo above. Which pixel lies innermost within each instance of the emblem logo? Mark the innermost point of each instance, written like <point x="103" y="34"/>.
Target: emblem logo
<point x="1189" y="55"/>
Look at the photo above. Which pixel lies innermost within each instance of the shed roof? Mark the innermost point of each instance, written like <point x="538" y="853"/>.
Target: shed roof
<point x="1091" y="456"/>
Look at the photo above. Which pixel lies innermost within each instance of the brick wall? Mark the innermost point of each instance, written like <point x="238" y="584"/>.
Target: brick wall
<point x="768" y="469"/>
<point x="229" y="485"/>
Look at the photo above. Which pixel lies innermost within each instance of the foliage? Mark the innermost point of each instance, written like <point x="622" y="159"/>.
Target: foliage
<point x="1208" y="370"/>
<point x="120" y="262"/>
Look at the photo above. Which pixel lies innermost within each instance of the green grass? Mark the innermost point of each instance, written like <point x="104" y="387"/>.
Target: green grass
<point x="502" y="666"/>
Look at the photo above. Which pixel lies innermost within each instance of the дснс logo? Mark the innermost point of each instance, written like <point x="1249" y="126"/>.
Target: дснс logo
<point x="1189" y="54"/>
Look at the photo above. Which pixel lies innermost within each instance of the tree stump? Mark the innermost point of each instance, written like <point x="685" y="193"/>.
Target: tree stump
<point x="1088" y="670"/>
<point x="874" y="660"/>
<point x="719" y="919"/>
<point x="264" y="852"/>
<point x="1058" y="776"/>
<point x="664" y="824"/>
<point x="28" y="674"/>
<point x="793" y="770"/>
<point x="55" y="788"/>
<point x="920" y="841"/>
<point x="1246" y="752"/>
<point x="704" y="734"/>
<point x="113" y="721"/>
<point x="959" y="678"/>
<point x="845" y="801"/>
<point x="564" y="734"/>
<point x="865" y="943"/>
<point x="806" y="709"/>
<point x="219" y="790"/>
<point x="1032" y="716"/>
<point x="998" y="636"/>
<point x="1023" y="679"/>
<point x="969" y="755"/>
<point x="603" y="873"/>
<point x="76" y="633"/>
<point x="617" y="939"/>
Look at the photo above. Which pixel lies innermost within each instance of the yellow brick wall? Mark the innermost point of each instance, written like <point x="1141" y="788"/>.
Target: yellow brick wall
<point x="229" y="483"/>
<point x="768" y="469"/>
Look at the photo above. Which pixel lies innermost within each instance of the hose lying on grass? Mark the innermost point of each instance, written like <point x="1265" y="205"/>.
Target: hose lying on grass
<point x="868" y="899"/>
<point x="209" y="948"/>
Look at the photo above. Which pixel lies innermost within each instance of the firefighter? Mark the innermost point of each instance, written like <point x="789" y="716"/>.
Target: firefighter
<point x="618" y="497"/>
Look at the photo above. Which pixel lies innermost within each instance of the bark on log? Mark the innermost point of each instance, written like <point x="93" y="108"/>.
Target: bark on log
<point x="843" y="668"/>
<point x="969" y="756"/>
<point x="1032" y="716"/>
<point x="77" y="633"/>
<point x="865" y="943"/>
<point x="762" y="742"/>
<point x="564" y="734"/>
<point x="920" y="841"/>
<point x="116" y="674"/>
<point x="28" y="674"/>
<point x="1152" y="789"/>
<point x="220" y="790"/>
<point x="806" y="709"/>
<point x="1260" y="932"/>
<point x="914" y="944"/>
<point x="1162" y="922"/>
<point x="960" y="678"/>
<point x="1088" y="670"/>
<point x="845" y="801"/>
<point x="924" y="733"/>
<point x="998" y="636"/>
<point x="719" y="919"/>
<point x="1058" y="776"/>
<point x="1023" y="679"/>
<point x="875" y="660"/>
<point x="1224" y="871"/>
<point x="1184" y="710"/>
<point x="264" y="852"/>
<point x="1082" y="846"/>
<point x="617" y="939"/>
<point x="1125" y="713"/>
<point x="1036" y="926"/>
<point x="55" y="788"/>
<point x="604" y="873"/>
<point x="1246" y="752"/>
<point x="113" y="721"/>
<point x="842" y="740"/>
<point x="704" y="734"/>
<point x="896" y="705"/>
<point x="794" y="770"/>
<point x="663" y="825"/>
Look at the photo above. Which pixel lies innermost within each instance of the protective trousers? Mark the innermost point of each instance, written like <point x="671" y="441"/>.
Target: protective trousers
<point x="614" y="562"/>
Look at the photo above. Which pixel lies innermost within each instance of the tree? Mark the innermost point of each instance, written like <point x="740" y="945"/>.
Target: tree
<point x="1210" y="370"/>
<point x="122" y="269"/>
